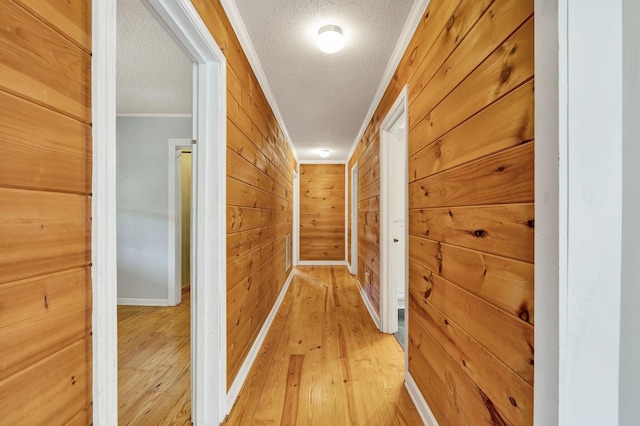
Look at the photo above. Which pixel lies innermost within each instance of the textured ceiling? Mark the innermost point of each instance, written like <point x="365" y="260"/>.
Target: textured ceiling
<point x="153" y="74"/>
<point x="323" y="98"/>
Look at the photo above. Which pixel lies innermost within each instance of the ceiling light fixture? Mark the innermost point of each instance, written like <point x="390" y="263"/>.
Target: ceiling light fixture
<point x="330" y="38"/>
<point x="324" y="153"/>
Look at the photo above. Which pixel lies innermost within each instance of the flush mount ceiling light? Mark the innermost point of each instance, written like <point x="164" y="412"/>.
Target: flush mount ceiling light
<point x="330" y="38"/>
<point x="324" y="153"/>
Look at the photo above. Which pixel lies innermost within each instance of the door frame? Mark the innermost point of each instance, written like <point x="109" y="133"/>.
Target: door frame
<point x="354" y="219"/>
<point x="174" y="261"/>
<point x="209" y="170"/>
<point x="388" y="292"/>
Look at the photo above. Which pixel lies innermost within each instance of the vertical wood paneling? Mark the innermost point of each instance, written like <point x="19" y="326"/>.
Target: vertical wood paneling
<point x="260" y="165"/>
<point x="322" y="198"/>
<point x="469" y="68"/>
<point x="45" y="212"/>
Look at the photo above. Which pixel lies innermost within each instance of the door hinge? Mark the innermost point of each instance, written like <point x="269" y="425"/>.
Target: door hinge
<point x="193" y="141"/>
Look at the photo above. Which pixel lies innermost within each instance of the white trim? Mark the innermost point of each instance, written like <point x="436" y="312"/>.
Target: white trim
<point x="354" y="219"/>
<point x="209" y="264"/>
<point x="415" y="16"/>
<point x="296" y="218"/>
<point x="388" y="293"/>
<point x="151" y="114"/>
<point x="323" y="162"/>
<point x="322" y="263"/>
<point x="369" y="305"/>
<point x="103" y="207"/>
<point x="231" y="9"/>
<point x="133" y="301"/>
<point x="418" y="400"/>
<point x="346" y="216"/>
<point x="174" y="232"/>
<point x="236" y="386"/>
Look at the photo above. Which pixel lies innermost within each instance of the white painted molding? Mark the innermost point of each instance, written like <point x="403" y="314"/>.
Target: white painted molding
<point x="347" y="243"/>
<point x="303" y="162"/>
<point x="103" y="206"/>
<point x="369" y="305"/>
<point x="132" y="301"/>
<point x="231" y="9"/>
<point x="296" y="218"/>
<point x="236" y="386"/>
<point x="323" y="263"/>
<point x="354" y="219"/>
<point x="152" y="115"/>
<point x="415" y="16"/>
<point x="418" y="400"/>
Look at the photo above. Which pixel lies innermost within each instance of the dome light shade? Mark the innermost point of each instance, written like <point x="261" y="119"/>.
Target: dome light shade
<point x="324" y="153"/>
<point x="330" y="38"/>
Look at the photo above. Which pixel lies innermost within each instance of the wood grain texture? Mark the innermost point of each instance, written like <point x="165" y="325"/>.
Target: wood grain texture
<point x="42" y="232"/>
<point x="260" y="168"/>
<point x="51" y="391"/>
<point x="322" y="216"/>
<point x="40" y="316"/>
<point x="41" y="149"/>
<point x="39" y="64"/>
<point x="469" y="69"/>
<point x="45" y="218"/>
<point x="154" y="364"/>
<point x="71" y="18"/>
<point x="324" y="352"/>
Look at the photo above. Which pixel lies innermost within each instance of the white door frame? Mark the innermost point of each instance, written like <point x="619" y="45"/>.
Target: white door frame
<point x="296" y="218"/>
<point x="174" y="261"/>
<point x="354" y="219"/>
<point x="209" y="169"/>
<point x="388" y="292"/>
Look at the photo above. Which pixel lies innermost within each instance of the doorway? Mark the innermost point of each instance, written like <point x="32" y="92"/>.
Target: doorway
<point x="180" y="157"/>
<point x="208" y="319"/>
<point x="393" y="219"/>
<point x="354" y="219"/>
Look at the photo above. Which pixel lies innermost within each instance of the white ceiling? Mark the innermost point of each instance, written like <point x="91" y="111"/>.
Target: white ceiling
<point x="153" y="74"/>
<point x="323" y="99"/>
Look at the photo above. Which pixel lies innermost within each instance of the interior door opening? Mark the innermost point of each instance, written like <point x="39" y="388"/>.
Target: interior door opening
<point x="393" y="220"/>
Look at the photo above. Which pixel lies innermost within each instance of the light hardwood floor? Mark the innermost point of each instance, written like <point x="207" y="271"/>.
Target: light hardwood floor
<point x="154" y="365"/>
<point x="324" y="362"/>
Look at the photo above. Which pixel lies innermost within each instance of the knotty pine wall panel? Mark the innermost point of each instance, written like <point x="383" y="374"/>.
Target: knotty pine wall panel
<point x="322" y="214"/>
<point x="470" y="72"/>
<point x="260" y="169"/>
<point x="45" y="212"/>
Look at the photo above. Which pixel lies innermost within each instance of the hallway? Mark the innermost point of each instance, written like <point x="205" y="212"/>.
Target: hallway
<point x="324" y="362"/>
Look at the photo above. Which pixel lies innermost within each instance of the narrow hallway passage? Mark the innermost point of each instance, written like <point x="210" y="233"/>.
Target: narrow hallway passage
<point x="324" y="362"/>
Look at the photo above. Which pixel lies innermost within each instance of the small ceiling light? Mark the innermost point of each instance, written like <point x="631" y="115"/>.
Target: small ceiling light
<point x="330" y="38"/>
<point x="324" y="153"/>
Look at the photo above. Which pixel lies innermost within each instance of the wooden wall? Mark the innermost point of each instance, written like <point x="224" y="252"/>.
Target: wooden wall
<point x="470" y="72"/>
<point x="322" y="198"/>
<point x="45" y="212"/>
<point x="260" y="169"/>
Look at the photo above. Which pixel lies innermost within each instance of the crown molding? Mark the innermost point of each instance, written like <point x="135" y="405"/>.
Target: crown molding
<point x="415" y="16"/>
<point x="231" y="9"/>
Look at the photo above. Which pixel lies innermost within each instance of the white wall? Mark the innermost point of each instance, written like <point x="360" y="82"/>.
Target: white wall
<point x="142" y="203"/>
<point x="630" y="313"/>
<point x="578" y="211"/>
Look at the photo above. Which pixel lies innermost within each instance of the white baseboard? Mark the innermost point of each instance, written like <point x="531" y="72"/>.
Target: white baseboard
<point x="369" y="305"/>
<point x="132" y="301"/>
<point x="243" y="373"/>
<point x="418" y="400"/>
<point x="322" y="263"/>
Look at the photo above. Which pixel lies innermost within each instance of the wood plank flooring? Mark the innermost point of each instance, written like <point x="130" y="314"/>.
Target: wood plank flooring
<point x="154" y="364"/>
<point x="324" y="362"/>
